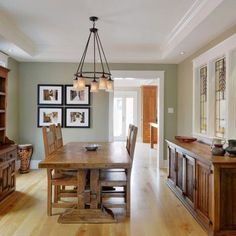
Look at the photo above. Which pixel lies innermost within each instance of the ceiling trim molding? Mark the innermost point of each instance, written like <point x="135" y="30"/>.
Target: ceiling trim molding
<point x="193" y="17"/>
<point x="10" y="32"/>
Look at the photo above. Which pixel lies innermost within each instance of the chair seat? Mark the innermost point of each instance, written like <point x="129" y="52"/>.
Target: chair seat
<point x="113" y="178"/>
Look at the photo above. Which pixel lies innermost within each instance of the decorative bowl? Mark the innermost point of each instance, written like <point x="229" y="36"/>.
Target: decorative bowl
<point x="185" y="139"/>
<point x="91" y="147"/>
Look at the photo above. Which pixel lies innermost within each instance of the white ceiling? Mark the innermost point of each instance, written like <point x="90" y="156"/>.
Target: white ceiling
<point x="132" y="31"/>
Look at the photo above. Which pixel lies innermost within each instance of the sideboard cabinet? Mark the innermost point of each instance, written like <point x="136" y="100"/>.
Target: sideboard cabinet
<point x="8" y="151"/>
<point x="205" y="184"/>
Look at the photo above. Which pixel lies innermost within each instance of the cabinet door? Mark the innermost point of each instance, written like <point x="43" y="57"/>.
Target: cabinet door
<point x="4" y="183"/>
<point x="189" y="179"/>
<point x="149" y="110"/>
<point x="7" y="178"/>
<point x="203" y="191"/>
<point x="228" y="199"/>
<point x="172" y="165"/>
<point x="179" y="170"/>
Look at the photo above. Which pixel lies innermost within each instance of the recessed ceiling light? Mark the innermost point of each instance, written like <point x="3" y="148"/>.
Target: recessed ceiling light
<point x="182" y="53"/>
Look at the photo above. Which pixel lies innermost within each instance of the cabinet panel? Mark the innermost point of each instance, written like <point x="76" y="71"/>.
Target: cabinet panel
<point x="172" y="165"/>
<point x="180" y="170"/>
<point x="7" y="178"/>
<point x="228" y="200"/>
<point x="203" y="193"/>
<point x="189" y="181"/>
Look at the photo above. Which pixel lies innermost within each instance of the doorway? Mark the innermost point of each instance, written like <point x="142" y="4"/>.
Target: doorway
<point x="133" y="77"/>
<point x="124" y="113"/>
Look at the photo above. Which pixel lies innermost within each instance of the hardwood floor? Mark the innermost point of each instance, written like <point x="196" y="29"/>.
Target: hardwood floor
<point x="155" y="211"/>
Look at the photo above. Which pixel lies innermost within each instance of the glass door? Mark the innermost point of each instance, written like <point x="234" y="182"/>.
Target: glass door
<point x="124" y="113"/>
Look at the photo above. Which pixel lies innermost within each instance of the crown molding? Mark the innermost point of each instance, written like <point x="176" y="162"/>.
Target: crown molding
<point x="193" y="17"/>
<point x="10" y="32"/>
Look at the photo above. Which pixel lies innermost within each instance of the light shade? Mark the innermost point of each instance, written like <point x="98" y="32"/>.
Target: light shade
<point x="102" y="82"/>
<point x="94" y="86"/>
<point x="109" y="84"/>
<point x="80" y="83"/>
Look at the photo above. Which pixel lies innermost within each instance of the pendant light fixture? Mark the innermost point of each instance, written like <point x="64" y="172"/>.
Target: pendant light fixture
<point x="100" y="75"/>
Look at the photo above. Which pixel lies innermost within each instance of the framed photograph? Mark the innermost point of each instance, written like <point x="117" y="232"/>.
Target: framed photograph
<point x="77" y="98"/>
<point x="77" y="117"/>
<point x="50" y="94"/>
<point x="49" y="115"/>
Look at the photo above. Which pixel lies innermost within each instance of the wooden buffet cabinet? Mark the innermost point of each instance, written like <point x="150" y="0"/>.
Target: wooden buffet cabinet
<point x="205" y="184"/>
<point x="8" y="151"/>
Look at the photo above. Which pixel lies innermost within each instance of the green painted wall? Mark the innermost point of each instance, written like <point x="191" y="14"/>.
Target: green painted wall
<point x="12" y="101"/>
<point x="185" y="85"/>
<point x="33" y="73"/>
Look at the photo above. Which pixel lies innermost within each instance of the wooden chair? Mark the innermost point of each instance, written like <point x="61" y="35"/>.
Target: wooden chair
<point x="58" y="135"/>
<point x="118" y="179"/>
<point x="55" y="177"/>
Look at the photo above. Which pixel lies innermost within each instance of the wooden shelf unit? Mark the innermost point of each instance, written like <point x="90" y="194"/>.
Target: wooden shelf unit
<point x="205" y="184"/>
<point x="8" y="152"/>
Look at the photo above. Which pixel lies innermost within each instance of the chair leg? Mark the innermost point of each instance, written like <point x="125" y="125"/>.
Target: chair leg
<point x="56" y="191"/>
<point x="49" y="205"/>
<point x="127" y="193"/>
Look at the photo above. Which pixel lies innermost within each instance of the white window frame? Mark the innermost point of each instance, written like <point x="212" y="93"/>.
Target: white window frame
<point x="226" y="49"/>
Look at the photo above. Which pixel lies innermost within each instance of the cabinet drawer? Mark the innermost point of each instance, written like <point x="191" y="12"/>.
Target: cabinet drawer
<point x="2" y="157"/>
<point x="11" y="154"/>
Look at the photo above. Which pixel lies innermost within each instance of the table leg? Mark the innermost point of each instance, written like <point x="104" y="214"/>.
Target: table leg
<point x="94" y="188"/>
<point x="81" y="176"/>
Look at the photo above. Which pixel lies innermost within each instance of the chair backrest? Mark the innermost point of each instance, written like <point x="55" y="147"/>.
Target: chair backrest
<point x="131" y="140"/>
<point x="58" y="134"/>
<point x="49" y="141"/>
<point x="128" y="138"/>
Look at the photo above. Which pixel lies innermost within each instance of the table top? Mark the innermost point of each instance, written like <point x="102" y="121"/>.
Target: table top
<point x="203" y="152"/>
<point x="74" y="156"/>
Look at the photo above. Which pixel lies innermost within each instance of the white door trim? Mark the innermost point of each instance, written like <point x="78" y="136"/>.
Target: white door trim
<point x="159" y="75"/>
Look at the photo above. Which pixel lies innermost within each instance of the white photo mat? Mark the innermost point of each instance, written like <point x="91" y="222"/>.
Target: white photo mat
<point x="50" y="94"/>
<point x="78" y="98"/>
<point x="49" y="115"/>
<point x="77" y="117"/>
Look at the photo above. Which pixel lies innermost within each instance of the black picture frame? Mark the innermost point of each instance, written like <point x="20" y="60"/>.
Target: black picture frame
<point x="50" y="94"/>
<point x="77" y="101"/>
<point x="55" y="119"/>
<point x="80" y="118"/>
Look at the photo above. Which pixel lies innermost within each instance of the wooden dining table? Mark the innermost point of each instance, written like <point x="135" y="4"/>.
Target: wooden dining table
<point x="73" y="155"/>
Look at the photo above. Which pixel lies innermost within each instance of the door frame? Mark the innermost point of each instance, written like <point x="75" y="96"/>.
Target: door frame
<point x="159" y="76"/>
<point x="124" y="94"/>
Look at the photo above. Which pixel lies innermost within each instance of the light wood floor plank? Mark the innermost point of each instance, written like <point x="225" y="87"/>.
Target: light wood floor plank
<point x="155" y="211"/>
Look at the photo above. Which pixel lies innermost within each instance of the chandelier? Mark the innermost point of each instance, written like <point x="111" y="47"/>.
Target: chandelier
<point x="100" y="75"/>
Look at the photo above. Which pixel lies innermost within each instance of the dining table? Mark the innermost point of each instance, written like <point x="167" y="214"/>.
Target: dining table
<point x="74" y="155"/>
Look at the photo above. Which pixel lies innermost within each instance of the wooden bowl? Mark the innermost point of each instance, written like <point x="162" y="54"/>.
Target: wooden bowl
<point x="185" y="139"/>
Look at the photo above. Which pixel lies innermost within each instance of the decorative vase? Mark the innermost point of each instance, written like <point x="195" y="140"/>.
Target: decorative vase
<point x="231" y="149"/>
<point x="25" y="152"/>
<point x="217" y="147"/>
